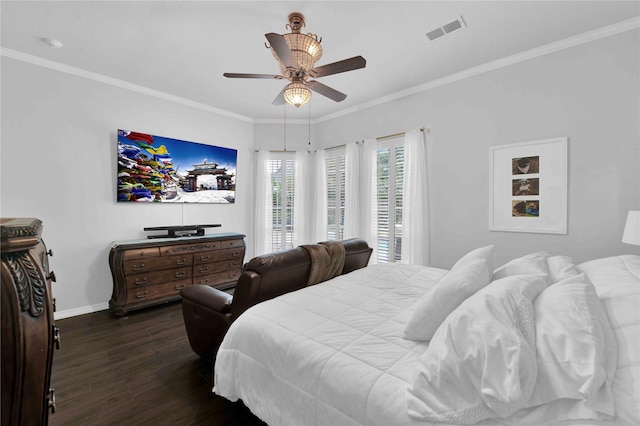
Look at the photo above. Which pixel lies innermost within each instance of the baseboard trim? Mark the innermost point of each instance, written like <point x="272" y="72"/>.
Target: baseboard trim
<point x="81" y="311"/>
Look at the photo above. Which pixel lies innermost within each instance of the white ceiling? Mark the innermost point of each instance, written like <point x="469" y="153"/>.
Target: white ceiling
<point x="181" y="48"/>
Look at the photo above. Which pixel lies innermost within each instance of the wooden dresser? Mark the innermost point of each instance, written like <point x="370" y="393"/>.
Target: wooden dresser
<point x="153" y="271"/>
<point x="29" y="334"/>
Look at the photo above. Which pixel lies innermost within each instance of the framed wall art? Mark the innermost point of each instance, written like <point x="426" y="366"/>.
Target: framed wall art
<point x="163" y="170"/>
<point x="529" y="187"/>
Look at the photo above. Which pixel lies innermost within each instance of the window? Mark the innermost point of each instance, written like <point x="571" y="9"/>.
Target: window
<point x="335" y="170"/>
<point x="390" y="167"/>
<point x="282" y="171"/>
<point x="388" y="202"/>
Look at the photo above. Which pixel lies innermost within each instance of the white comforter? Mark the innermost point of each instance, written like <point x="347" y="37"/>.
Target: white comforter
<point x="333" y="354"/>
<point x="307" y="349"/>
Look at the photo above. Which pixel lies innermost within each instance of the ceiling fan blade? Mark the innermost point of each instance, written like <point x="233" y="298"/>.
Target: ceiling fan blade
<point x="281" y="47"/>
<point x="327" y="91"/>
<point x="279" y="100"/>
<point x="240" y="75"/>
<point x="350" y="64"/>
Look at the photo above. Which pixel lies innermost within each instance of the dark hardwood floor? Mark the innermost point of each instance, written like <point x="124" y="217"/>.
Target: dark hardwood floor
<point x="138" y="370"/>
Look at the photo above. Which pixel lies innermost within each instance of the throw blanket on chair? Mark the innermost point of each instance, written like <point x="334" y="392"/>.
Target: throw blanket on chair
<point x="327" y="261"/>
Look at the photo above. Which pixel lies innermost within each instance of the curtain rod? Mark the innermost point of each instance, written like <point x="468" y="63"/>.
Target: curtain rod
<point x="282" y="150"/>
<point x="394" y="135"/>
<point x="378" y="138"/>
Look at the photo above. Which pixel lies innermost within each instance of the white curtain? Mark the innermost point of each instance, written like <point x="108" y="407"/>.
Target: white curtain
<point x="263" y="206"/>
<point x="415" y="212"/>
<point x="352" y="218"/>
<point x="319" y="191"/>
<point x="368" y="196"/>
<point x="302" y="224"/>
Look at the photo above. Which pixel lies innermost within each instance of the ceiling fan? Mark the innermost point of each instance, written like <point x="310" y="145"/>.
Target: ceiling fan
<point x="297" y="55"/>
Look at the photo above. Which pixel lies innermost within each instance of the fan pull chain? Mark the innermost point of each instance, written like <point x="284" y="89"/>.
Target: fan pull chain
<point x="285" y="127"/>
<point x="309" y="106"/>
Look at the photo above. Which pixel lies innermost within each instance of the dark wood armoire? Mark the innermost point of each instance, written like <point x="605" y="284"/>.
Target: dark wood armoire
<point x="29" y="334"/>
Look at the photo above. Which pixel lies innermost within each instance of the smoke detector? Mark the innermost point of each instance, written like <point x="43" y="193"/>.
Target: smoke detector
<point x="53" y="43"/>
<point x="446" y="29"/>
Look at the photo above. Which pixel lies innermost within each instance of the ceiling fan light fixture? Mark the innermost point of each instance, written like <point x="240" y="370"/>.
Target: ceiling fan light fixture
<point x="306" y="49"/>
<point x="297" y="55"/>
<point x="297" y="94"/>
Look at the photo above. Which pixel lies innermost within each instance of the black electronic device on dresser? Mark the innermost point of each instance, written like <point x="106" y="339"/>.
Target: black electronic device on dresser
<point x="29" y="334"/>
<point x="181" y="230"/>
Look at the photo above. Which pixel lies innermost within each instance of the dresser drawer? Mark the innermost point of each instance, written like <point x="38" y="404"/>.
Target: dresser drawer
<point x="218" y="278"/>
<point x="190" y="248"/>
<point x="161" y="291"/>
<point x="231" y="243"/>
<point x="142" y="253"/>
<point x="158" y="277"/>
<point x="218" y="255"/>
<point x="213" y="267"/>
<point x="138" y="266"/>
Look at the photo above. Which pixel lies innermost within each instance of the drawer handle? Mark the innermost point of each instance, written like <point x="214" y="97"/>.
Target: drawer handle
<point x="179" y="287"/>
<point x="181" y="274"/>
<point x="204" y="258"/>
<point x="233" y="264"/>
<point x="140" y="282"/>
<point x="52" y="400"/>
<point x="232" y="275"/>
<point x="142" y="295"/>
<point x="181" y="261"/>
<point x="235" y="254"/>
<point x="56" y="337"/>
<point x="52" y="276"/>
<point x="206" y="281"/>
<point x="138" y="268"/>
<point x="204" y="269"/>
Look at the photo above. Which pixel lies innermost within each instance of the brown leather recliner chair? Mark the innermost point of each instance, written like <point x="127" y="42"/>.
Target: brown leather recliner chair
<point x="209" y="312"/>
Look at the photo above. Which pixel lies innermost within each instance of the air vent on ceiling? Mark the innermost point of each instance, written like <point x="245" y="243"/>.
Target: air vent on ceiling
<point x="446" y="29"/>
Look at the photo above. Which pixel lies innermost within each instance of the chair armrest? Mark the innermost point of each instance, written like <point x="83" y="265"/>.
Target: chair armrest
<point x="357" y="254"/>
<point x="208" y="297"/>
<point x="205" y="311"/>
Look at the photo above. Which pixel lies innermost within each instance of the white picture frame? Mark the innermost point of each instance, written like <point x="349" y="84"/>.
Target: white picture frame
<point x="528" y="187"/>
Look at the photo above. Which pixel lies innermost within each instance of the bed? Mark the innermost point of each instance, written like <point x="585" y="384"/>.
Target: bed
<point x="538" y="340"/>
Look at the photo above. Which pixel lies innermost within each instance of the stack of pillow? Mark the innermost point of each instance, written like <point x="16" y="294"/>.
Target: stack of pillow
<point x="522" y="343"/>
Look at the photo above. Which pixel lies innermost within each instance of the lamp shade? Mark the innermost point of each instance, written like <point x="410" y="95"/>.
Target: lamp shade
<point x="305" y="49"/>
<point x="297" y="94"/>
<point x="631" y="233"/>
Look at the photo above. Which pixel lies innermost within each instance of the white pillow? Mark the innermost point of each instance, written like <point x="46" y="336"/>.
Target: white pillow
<point x="481" y="363"/>
<point x="577" y="350"/>
<point x="433" y="308"/>
<point x="531" y="264"/>
<point x="560" y="268"/>
<point x="482" y="253"/>
<point x="617" y="282"/>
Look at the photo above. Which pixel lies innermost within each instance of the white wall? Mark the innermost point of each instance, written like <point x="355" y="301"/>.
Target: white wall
<point x="58" y="164"/>
<point x="58" y="156"/>
<point x="274" y="137"/>
<point x="589" y="93"/>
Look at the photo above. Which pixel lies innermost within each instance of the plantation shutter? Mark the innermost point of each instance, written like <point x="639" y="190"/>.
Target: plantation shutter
<point x="282" y="171"/>
<point x="335" y="167"/>
<point x="390" y="166"/>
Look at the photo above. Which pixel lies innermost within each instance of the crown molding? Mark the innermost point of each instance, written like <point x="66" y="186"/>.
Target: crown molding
<point x="101" y="78"/>
<point x="620" y="27"/>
